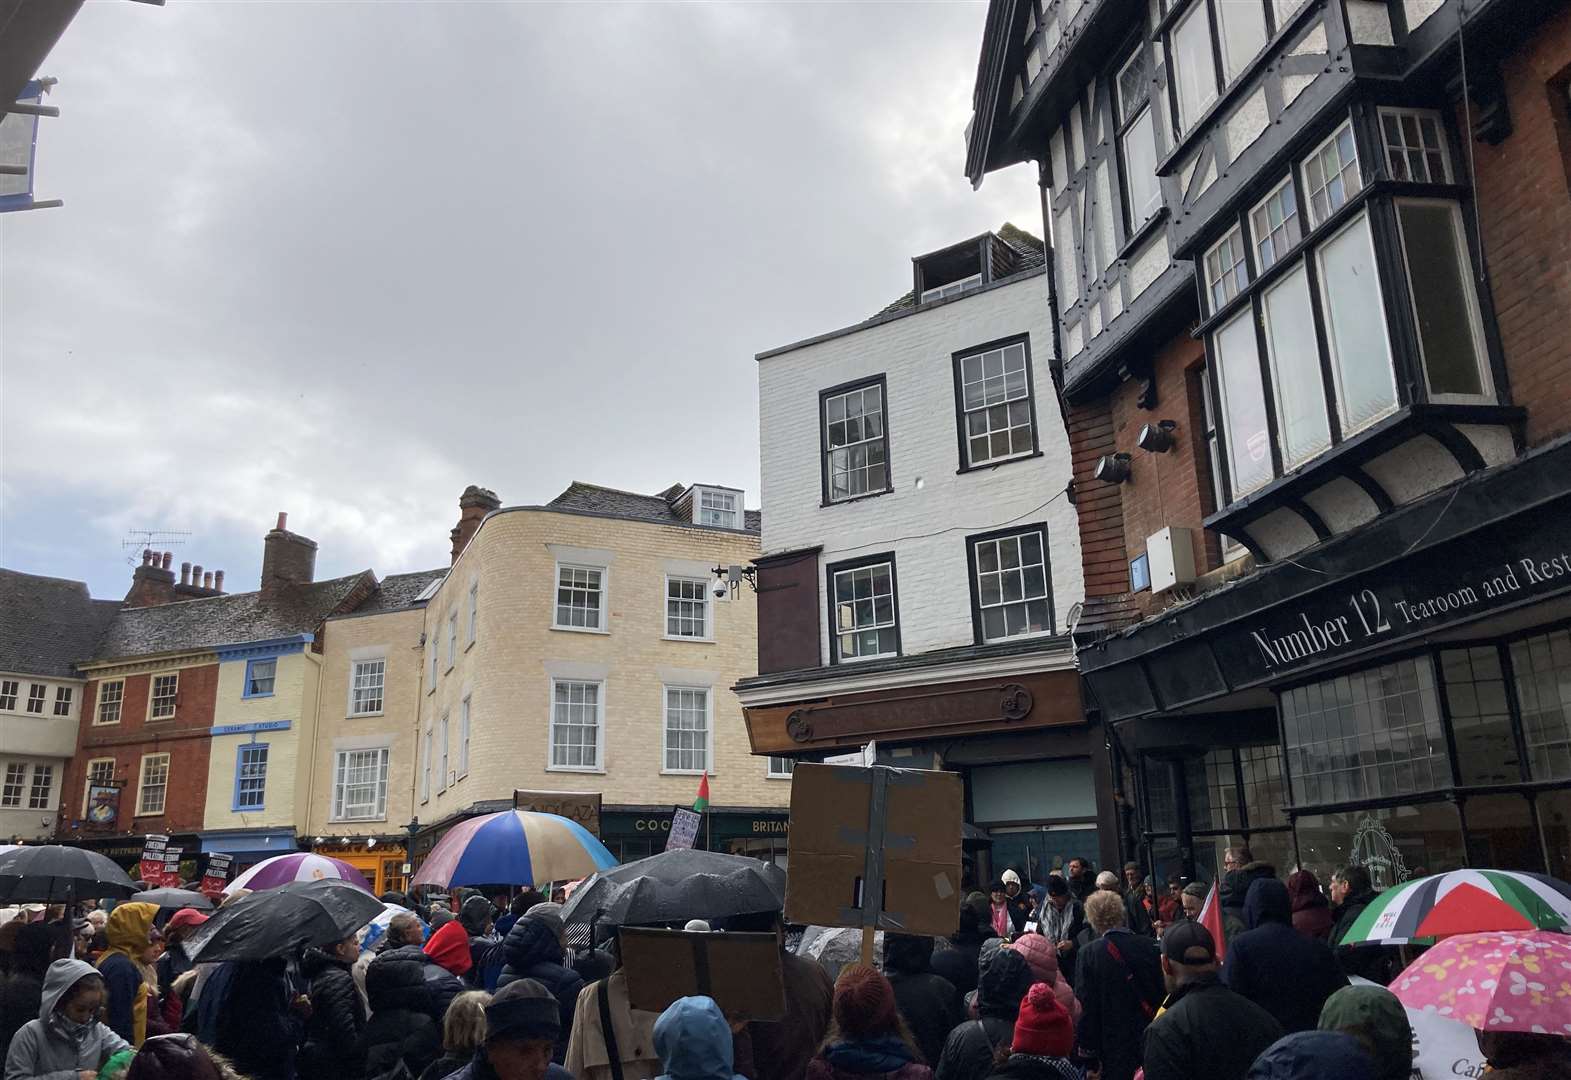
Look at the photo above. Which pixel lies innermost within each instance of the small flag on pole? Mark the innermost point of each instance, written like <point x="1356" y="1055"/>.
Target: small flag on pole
<point x="1211" y="919"/>
<point x="701" y="803"/>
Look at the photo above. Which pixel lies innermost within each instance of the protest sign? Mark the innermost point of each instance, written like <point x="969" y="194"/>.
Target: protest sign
<point x="170" y="874"/>
<point x="740" y="971"/>
<point x="152" y="866"/>
<point x="580" y="806"/>
<point x="684" y="828"/>
<point x="216" y="875"/>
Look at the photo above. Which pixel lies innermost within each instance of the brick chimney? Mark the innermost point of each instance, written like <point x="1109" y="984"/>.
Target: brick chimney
<point x="473" y="505"/>
<point x="152" y="583"/>
<point x="287" y="559"/>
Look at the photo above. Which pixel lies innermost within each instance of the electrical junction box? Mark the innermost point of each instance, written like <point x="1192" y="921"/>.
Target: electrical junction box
<point x="1172" y="558"/>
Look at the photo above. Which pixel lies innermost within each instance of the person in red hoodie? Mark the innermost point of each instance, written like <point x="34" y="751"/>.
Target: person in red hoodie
<point x="449" y="946"/>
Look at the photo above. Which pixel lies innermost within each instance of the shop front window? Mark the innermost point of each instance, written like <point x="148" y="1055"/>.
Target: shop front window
<point x="1500" y="833"/>
<point x="1042" y="850"/>
<point x="1541" y="666"/>
<point x="1394" y="844"/>
<point x="1554" y="819"/>
<point x="1480" y="716"/>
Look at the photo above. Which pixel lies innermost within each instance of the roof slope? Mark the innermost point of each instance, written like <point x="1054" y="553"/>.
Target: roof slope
<point x="1014" y="251"/>
<point x="49" y="623"/>
<point x="226" y="620"/>
<point x="660" y="509"/>
<point x="398" y="591"/>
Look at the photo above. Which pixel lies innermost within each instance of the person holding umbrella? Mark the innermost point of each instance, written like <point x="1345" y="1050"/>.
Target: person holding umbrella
<point x="67" y="1041"/>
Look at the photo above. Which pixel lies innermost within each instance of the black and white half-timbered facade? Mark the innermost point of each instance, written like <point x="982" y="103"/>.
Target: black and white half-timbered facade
<point x="1322" y="475"/>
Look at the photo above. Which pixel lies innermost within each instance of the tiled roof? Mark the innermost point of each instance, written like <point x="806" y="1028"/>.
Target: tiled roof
<point x="226" y="620"/>
<point x="1014" y="251"/>
<point x="660" y="509"/>
<point x="399" y="591"/>
<point x="49" y="623"/>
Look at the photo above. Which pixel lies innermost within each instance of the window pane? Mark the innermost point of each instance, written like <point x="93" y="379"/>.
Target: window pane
<point x="1139" y="145"/>
<point x="1243" y="34"/>
<point x="1331" y="175"/>
<point x="1011" y="585"/>
<point x="1541" y="667"/>
<point x="1134" y="85"/>
<point x="1243" y="404"/>
<point x="1195" y="68"/>
<point x="864" y="609"/>
<point x="1302" y="424"/>
<point x="1444" y="303"/>
<point x="1067" y="271"/>
<point x="855" y="445"/>
<point x="1356" y="326"/>
<point x="1393" y="845"/>
<point x="1275" y="225"/>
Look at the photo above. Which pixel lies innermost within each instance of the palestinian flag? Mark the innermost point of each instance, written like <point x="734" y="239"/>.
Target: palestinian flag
<point x="701" y="803"/>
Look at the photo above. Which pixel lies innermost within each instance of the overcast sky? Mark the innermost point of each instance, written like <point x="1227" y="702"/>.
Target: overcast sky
<point x="342" y="259"/>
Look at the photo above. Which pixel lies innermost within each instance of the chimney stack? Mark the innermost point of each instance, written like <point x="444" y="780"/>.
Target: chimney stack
<point x="287" y="559"/>
<point x="185" y="573"/>
<point x="168" y="558"/>
<point x="207" y="580"/>
<point x="152" y="583"/>
<point x="473" y="505"/>
<point x="218" y="580"/>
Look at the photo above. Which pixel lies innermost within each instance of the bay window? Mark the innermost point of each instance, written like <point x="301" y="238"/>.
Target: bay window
<point x="1237" y="35"/>
<point x="1356" y="326"/>
<point x="1137" y="139"/>
<point x="1445" y="304"/>
<point x="1243" y="403"/>
<point x="1194" y="65"/>
<point x="1289" y="321"/>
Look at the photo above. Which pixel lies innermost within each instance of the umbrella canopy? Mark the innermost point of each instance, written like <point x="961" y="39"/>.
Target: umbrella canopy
<point x="515" y="847"/>
<point x="49" y="872"/>
<point x="175" y="898"/>
<point x="675" y="886"/>
<point x="297" y="866"/>
<point x="376" y="929"/>
<point x="278" y="921"/>
<point x="836" y="946"/>
<point x="1494" y="982"/>
<point x="1463" y="902"/>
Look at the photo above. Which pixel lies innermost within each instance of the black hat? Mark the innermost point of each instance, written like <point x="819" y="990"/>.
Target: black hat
<point x="523" y="1010"/>
<point x="1057" y="886"/>
<point x="1187" y="942"/>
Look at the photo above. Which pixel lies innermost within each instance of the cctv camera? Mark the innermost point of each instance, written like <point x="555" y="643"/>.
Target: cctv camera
<point x="722" y="589"/>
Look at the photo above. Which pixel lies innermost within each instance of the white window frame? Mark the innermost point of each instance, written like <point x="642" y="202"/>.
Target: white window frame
<point x="1359" y="220"/>
<point x="465" y="714"/>
<point x="772" y="770"/>
<point x="603" y="611"/>
<point x="48" y="770"/>
<point x="1402" y="150"/>
<point x="1026" y="396"/>
<point x="445" y="728"/>
<point x="665" y="729"/>
<point x="1310" y="191"/>
<point x="705" y="599"/>
<point x="13" y="785"/>
<point x="381" y="695"/>
<point x="1291" y="229"/>
<point x="64" y="695"/>
<point x="153" y="696"/>
<point x="452" y="639"/>
<point x="341" y="762"/>
<point x="425" y="766"/>
<point x="1474" y="316"/>
<point x="37" y="694"/>
<point x="10" y="691"/>
<point x="976" y="544"/>
<point x="240" y="777"/>
<point x="835" y="631"/>
<point x="829" y="448"/>
<point x="551" y="725"/>
<point x="93" y="775"/>
<point x="142" y="785"/>
<point x="474" y="611"/>
<point x="727" y="511"/>
<point x="1231" y="548"/>
<point x="953" y="288"/>
<point x="118" y="685"/>
<point x="1181" y="60"/>
<point x="435" y="654"/>
<point x="1226" y="276"/>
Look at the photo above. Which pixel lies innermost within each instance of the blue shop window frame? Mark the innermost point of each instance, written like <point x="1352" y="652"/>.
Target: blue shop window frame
<point x="240" y="764"/>
<point x="245" y="687"/>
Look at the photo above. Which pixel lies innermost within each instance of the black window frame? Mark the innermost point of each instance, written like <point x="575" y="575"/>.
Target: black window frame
<point x="977" y="637"/>
<point x="858" y="563"/>
<point x="1174" y="13"/>
<point x="882" y="382"/>
<point x="961" y="439"/>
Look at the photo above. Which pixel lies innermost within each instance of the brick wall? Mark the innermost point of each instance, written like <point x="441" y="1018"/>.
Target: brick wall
<point x="1524" y="201"/>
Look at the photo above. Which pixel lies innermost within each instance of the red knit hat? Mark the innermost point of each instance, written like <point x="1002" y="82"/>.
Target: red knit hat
<point x="449" y="947"/>
<point x="864" y="1003"/>
<point x="1043" y="1027"/>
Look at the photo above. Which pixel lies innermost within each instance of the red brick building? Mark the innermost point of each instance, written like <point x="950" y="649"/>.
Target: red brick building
<point x="1310" y="265"/>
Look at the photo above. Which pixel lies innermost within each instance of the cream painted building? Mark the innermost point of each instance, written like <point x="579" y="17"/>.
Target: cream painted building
<point x="581" y="646"/>
<point x="361" y="762"/>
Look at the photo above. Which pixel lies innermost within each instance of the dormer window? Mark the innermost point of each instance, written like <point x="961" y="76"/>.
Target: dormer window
<point x="954" y="270"/>
<point x="954" y="288"/>
<point x="717" y="508"/>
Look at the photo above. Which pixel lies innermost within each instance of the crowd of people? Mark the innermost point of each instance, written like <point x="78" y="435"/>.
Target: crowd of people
<point x="1079" y="975"/>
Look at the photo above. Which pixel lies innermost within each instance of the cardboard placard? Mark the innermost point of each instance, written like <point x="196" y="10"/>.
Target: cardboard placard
<point x="580" y="806"/>
<point x="875" y="847"/>
<point x="152" y="868"/>
<point x="684" y="828"/>
<point x="216" y="876"/>
<point x="740" y="971"/>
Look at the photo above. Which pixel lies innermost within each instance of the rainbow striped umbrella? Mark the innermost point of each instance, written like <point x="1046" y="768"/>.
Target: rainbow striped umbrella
<point x="515" y="847"/>
<point x="1462" y="902"/>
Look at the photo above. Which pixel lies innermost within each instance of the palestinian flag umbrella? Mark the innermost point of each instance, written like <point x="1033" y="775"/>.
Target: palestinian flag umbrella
<point x="1462" y="902"/>
<point x="515" y="847"/>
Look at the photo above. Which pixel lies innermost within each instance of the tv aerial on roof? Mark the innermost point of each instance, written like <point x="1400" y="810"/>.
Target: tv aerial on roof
<point x="137" y="541"/>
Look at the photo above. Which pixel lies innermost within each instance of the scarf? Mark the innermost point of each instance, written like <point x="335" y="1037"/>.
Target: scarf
<point x="1001" y="923"/>
<point x="1057" y="921"/>
<point x="885" y="1054"/>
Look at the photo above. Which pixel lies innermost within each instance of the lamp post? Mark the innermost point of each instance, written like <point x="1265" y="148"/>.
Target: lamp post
<point x="413" y="829"/>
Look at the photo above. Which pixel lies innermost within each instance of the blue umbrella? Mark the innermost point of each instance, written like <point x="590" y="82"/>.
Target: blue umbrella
<point x="515" y="847"/>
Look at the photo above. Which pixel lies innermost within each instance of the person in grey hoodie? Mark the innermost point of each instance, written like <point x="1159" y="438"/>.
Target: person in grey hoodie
<point x="66" y="1042"/>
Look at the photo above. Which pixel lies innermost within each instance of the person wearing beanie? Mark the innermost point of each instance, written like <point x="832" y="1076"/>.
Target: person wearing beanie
<point x="485" y="947"/>
<point x="533" y="950"/>
<point x="973" y="1048"/>
<point x="333" y="1030"/>
<point x="1062" y="921"/>
<point x="1042" y="959"/>
<point x="1373" y="1016"/>
<point x="1205" y="1030"/>
<point x="1043" y="1042"/>
<point x="1313" y="1055"/>
<point x="693" y="1040"/>
<point x="528" y="898"/>
<point x="928" y="1003"/>
<point x="866" y="1035"/>
<point x="449" y="947"/>
<point x="1022" y="904"/>
<point x="522" y="1026"/>
<point x="175" y="963"/>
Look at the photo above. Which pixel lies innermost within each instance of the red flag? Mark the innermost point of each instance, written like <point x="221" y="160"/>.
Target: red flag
<point x="701" y="803"/>
<point x="1211" y="919"/>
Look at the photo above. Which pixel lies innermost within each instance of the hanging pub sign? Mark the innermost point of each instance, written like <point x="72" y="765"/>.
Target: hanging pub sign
<point x="103" y="803"/>
<point x="216" y="876"/>
<point x="152" y="868"/>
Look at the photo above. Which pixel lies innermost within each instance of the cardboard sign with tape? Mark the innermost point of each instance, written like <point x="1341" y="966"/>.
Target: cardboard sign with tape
<point x="740" y="971"/>
<point x="875" y="847"/>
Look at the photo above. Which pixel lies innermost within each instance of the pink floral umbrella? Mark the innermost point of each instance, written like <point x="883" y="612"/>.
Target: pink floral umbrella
<point x="1494" y="982"/>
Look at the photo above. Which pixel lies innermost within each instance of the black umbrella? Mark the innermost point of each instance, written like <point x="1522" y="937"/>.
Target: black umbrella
<point x="175" y="898"/>
<point x="276" y="922"/>
<point x="676" y="886"/>
<point x="49" y="873"/>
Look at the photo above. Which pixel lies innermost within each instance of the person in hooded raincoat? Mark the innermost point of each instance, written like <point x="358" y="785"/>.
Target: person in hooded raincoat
<point x="1373" y="1016"/>
<point x="67" y="1039"/>
<point x="866" y="1036"/>
<point x="533" y="950"/>
<point x="973" y="1048"/>
<point x="129" y="976"/>
<point x="693" y="1040"/>
<point x="485" y="947"/>
<point x="1311" y="909"/>
<point x="1042" y="959"/>
<point x="1287" y="974"/>
<point x="1314" y="1055"/>
<point x="928" y="1003"/>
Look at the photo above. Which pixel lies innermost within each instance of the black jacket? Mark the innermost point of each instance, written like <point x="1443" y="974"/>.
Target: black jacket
<point x="1235" y="890"/>
<point x="1207" y="1031"/>
<point x="1032" y="1067"/>
<point x="971" y="1049"/>
<point x="1119" y="984"/>
<point x="403" y="1025"/>
<point x="333" y="1049"/>
<point x="956" y="961"/>
<point x="257" y="1030"/>
<point x="1075" y="931"/>
<point x="1138" y="918"/>
<point x="1347" y="912"/>
<point x="929" y="1003"/>
<point x="533" y="952"/>
<point x="1276" y="967"/>
<point x="441" y="984"/>
<point x="21" y="996"/>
